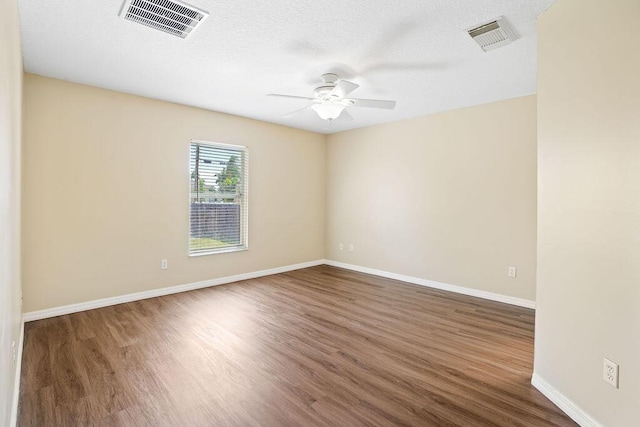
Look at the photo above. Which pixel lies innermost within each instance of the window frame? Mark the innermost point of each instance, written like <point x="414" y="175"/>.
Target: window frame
<point x="244" y="207"/>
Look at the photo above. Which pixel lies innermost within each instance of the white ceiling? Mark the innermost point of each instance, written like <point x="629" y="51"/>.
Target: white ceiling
<point x="416" y="52"/>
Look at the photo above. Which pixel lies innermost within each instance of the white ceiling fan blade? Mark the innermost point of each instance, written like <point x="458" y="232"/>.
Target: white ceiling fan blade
<point x="291" y="114"/>
<point x="346" y="116"/>
<point x="374" y="103"/>
<point x="291" y="96"/>
<point x="343" y="88"/>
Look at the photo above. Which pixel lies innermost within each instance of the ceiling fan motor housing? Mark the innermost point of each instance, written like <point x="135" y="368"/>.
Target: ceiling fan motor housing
<point x="323" y="93"/>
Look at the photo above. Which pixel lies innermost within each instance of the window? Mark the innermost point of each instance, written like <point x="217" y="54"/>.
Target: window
<point x="217" y="198"/>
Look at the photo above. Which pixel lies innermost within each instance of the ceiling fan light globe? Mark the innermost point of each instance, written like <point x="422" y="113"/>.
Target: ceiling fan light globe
<point x="328" y="111"/>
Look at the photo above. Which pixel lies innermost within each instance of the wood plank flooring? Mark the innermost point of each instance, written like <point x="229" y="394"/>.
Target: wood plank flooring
<point x="314" y="347"/>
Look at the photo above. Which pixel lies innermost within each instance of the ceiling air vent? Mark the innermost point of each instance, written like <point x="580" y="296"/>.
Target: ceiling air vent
<point x="170" y="16"/>
<point x="493" y="35"/>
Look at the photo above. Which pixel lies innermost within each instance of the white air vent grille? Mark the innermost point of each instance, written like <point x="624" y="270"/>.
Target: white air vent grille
<point x="173" y="17"/>
<point x="493" y="35"/>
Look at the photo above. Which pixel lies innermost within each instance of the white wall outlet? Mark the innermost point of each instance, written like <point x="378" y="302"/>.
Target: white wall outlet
<point x="341" y="246"/>
<point x="513" y="271"/>
<point x="350" y="247"/>
<point x="610" y="372"/>
<point x="164" y="264"/>
<point x="13" y="351"/>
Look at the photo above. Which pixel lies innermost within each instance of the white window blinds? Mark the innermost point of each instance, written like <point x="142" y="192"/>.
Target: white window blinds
<point x="218" y="214"/>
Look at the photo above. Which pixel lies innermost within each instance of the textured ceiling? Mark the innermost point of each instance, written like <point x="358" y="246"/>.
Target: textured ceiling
<point x="416" y="52"/>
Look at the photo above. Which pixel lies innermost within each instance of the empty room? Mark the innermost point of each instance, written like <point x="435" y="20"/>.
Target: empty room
<point x="338" y="213"/>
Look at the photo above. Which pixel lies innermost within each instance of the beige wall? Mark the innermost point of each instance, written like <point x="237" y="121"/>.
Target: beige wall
<point x="10" y="140"/>
<point x="448" y="197"/>
<point x="588" y="293"/>
<point x="105" y="193"/>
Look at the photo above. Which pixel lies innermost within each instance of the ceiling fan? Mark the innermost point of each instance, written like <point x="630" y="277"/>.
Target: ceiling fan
<point x="330" y="100"/>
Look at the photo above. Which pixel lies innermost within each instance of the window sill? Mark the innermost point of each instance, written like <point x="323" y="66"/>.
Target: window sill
<point x="220" y="251"/>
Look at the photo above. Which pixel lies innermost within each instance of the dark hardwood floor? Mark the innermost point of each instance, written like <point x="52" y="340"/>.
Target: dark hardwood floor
<point x="319" y="346"/>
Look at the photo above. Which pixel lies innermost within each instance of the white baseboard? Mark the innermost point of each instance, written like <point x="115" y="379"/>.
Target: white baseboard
<point x="437" y="285"/>
<point x="83" y="306"/>
<point x="104" y="302"/>
<point x="576" y="413"/>
<point x="16" y="381"/>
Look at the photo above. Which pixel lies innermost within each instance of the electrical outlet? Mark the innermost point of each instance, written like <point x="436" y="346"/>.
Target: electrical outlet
<point x="513" y="271"/>
<point x="610" y="372"/>
<point x="341" y="246"/>
<point x="350" y="247"/>
<point x="164" y="264"/>
<point x="13" y="351"/>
